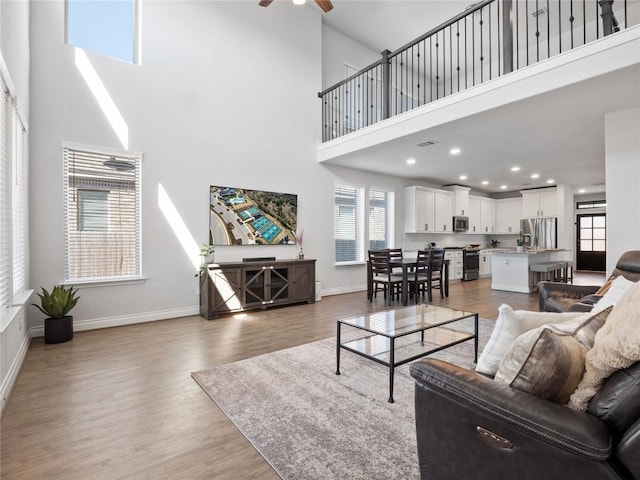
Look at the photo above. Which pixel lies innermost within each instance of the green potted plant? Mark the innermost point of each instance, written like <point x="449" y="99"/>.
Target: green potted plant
<point x="520" y="242"/>
<point x="206" y="253"/>
<point x="58" y="326"/>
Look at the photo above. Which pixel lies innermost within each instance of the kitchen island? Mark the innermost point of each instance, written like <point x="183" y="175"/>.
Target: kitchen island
<point x="510" y="268"/>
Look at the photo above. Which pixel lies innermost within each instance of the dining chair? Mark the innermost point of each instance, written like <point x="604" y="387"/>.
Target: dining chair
<point x="395" y="254"/>
<point x="382" y="276"/>
<point x="436" y="273"/>
<point x="420" y="278"/>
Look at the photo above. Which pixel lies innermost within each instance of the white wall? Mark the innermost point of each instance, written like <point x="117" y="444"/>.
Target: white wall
<point x="226" y="95"/>
<point x="622" y="149"/>
<point x="14" y="49"/>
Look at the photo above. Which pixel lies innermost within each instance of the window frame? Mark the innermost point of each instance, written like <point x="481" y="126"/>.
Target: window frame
<point x="389" y="210"/>
<point x="137" y="277"/>
<point x="358" y="223"/>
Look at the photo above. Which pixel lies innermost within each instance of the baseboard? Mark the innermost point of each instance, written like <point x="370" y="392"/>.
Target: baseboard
<point x="96" y="323"/>
<point x="12" y="373"/>
<point x="341" y="290"/>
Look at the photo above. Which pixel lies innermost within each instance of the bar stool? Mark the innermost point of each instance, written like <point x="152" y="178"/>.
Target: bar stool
<point x="543" y="271"/>
<point x="566" y="275"/>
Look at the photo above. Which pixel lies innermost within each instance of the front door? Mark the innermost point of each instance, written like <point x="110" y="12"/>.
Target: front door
<point x="592" y="242"/>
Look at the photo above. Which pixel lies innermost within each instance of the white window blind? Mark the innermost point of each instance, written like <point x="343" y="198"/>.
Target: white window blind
<point x="380" y="214"/>
<point x="102" y="215"/>
<point x="348" y="221"/>
<point x="5" y="200"/>
<point x="18" y="207"/>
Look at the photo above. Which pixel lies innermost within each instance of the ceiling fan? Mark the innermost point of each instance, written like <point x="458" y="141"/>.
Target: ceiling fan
<point x="325" y="5"/>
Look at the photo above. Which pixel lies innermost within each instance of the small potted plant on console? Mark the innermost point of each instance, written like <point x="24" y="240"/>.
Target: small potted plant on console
<point x="58" y="326"/>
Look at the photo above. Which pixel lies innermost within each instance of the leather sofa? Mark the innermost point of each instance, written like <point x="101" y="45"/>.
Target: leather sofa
<point x="562" y="297"/>
<point x="471" y="427"/>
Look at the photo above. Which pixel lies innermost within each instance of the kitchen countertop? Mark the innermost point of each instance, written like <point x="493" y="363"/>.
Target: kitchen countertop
<point x="533" y="251"/>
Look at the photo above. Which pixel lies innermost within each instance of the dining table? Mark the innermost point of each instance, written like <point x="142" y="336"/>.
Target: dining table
<point x="407" y="265"/>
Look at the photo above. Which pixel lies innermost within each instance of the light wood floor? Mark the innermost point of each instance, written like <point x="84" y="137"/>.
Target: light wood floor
<point x="119" y="403"/>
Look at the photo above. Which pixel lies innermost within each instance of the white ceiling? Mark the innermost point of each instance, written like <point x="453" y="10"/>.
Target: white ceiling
<point x="559" y="135"/>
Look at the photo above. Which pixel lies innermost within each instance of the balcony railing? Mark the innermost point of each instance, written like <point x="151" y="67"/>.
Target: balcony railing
<point x="489" y="39"/>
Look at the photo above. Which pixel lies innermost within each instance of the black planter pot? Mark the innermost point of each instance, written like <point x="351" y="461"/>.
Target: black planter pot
<point x="58" y="330"/>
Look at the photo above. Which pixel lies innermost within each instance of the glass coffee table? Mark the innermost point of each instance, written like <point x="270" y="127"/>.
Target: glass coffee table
<point x="396" y="337"/>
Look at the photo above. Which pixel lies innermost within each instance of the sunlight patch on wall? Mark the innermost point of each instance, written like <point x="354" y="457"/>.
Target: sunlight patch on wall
<point x="103" y="98"/>
<point x="180" y="230"/>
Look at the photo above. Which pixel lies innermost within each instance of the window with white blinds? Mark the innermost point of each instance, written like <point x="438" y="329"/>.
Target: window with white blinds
<point x="5" y="200"/>
<point x="102" y="215"/>
<point x="380" y="219"/>
<point x="348" y="215"/>
<point x="18" y="207"/>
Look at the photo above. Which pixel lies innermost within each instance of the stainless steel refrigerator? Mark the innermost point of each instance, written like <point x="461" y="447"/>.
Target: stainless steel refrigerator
<point x="540" y="232"/>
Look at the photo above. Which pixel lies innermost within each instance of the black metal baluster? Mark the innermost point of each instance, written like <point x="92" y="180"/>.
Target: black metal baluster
<point x="437" y="69"/>
<point x="517" y="35"/>
<point x="418" y="74"/>
<point x="430" y="69"/>
<point x="537" y="34"/>
<point x="559" y="27"/>
<point x="526" y="17"/>
<point x="481" y="48"/>
<point x="548" y="31"/>
<point x="498" y="36"/>
<point x="458" y="52"/>
<point x="571" y="19"/>
<point x="473" y="48"/>
<point x="466" y="68"/>
<point x="584" y="22"/>
<point x="490" y="49"/>
<point x="450" y="60"/>
<point x="597" y="21"/>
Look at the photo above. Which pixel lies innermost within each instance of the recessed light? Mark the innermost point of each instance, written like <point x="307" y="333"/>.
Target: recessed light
<point x="485" y="182"/>
<point x="454" y="151"/>
<point x="582" y="190"/>
<point x="551" y="180"/>
<point x="411" y="161"/>
<point x="515" y="169"/>
<point x="299" y="2"/>
<point x="462" y="177"/>
<point x="535" y="175"/>
<point x="503" y="187"/>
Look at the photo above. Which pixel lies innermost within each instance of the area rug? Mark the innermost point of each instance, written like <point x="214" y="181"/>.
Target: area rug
<point x="309" y="423"/>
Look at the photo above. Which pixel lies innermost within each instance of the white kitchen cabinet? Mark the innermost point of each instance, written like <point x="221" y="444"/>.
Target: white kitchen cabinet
<point x="487" y="215"/>
<point x="540" y="203"/>
<point x="460" y="199"/>
<point x="455" y="258"/>
<point x="443" y="211"/>
<point x="475" y="215"/>
<point x="419" y="210"/>
<point x="485" y="264"/>
<point x="508" y="213"/>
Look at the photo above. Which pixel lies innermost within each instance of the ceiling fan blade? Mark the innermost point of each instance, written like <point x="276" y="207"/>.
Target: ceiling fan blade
<point x="265" y="3"/>
<point x="325" y="5"/>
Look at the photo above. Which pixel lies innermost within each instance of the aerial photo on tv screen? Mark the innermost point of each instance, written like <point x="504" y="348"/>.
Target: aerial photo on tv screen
<point x="238" y="216"/>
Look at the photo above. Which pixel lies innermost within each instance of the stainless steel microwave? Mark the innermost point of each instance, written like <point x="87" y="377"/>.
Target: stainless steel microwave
<point x="460" y="224"/>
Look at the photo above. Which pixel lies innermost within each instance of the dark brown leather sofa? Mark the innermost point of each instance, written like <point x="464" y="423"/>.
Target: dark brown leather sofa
<point x="471" y="427"/>
<point x="562" y="297"/>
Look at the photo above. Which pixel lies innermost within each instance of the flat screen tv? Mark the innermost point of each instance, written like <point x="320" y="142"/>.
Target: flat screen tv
<point x="238" y="216"/>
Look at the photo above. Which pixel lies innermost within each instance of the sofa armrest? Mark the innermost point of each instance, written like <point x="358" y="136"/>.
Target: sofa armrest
<point x="628" y="449"/>
<point x="507" y="412"/>
<point x="548" y="290"/>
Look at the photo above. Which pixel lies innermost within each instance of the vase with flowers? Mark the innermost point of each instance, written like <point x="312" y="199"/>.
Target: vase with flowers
<point x="299" y="236"/>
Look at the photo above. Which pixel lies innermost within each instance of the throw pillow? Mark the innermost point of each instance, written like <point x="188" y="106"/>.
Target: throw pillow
<point x="616" y="346"/>
<point x="618" y="288"/>
<point x="548" y="362"/>
<point x="544" y="362"/>
<point x="510" y="324"/>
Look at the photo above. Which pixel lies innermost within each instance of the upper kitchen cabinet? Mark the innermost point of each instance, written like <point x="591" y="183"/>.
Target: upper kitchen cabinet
<point x="508" y="214"/>
<point x="540" y="203"/>
<point x="428" y="210"/>
<point x="475" y="215"/>
<point x="460" y="200"/>
<point x="487" y="215"/>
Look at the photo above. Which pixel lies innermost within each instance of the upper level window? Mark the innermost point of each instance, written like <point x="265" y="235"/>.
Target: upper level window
<point x="109" y="27"/>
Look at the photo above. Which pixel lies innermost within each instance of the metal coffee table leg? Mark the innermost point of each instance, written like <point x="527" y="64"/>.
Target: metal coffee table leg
<point x="391" y="368"/>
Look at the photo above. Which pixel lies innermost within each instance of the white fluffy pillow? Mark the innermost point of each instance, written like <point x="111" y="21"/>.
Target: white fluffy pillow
<point x="618" y="288"/>
<point x="616" y="346"/>
<point x="510" y="324"/>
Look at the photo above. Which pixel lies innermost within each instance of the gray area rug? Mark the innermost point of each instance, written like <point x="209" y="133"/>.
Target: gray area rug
<point x="310" y="423"/>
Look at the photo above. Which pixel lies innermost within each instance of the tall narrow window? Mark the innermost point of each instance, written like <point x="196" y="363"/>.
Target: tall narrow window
<point x="348" y="224"/>
<point x="5" y="200"/>
<point x="18" y="207"/>
<point x="102" y="215"/>
<point x="380" y="219"/>
<point x="106" y="27"/>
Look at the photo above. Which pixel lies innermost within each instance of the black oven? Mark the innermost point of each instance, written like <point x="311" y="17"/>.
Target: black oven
<point x="470" y="264"/>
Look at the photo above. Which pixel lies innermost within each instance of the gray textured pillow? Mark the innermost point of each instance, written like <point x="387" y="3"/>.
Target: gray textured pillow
<point x="548" y="362"/>
<point x="544" y="362"/>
